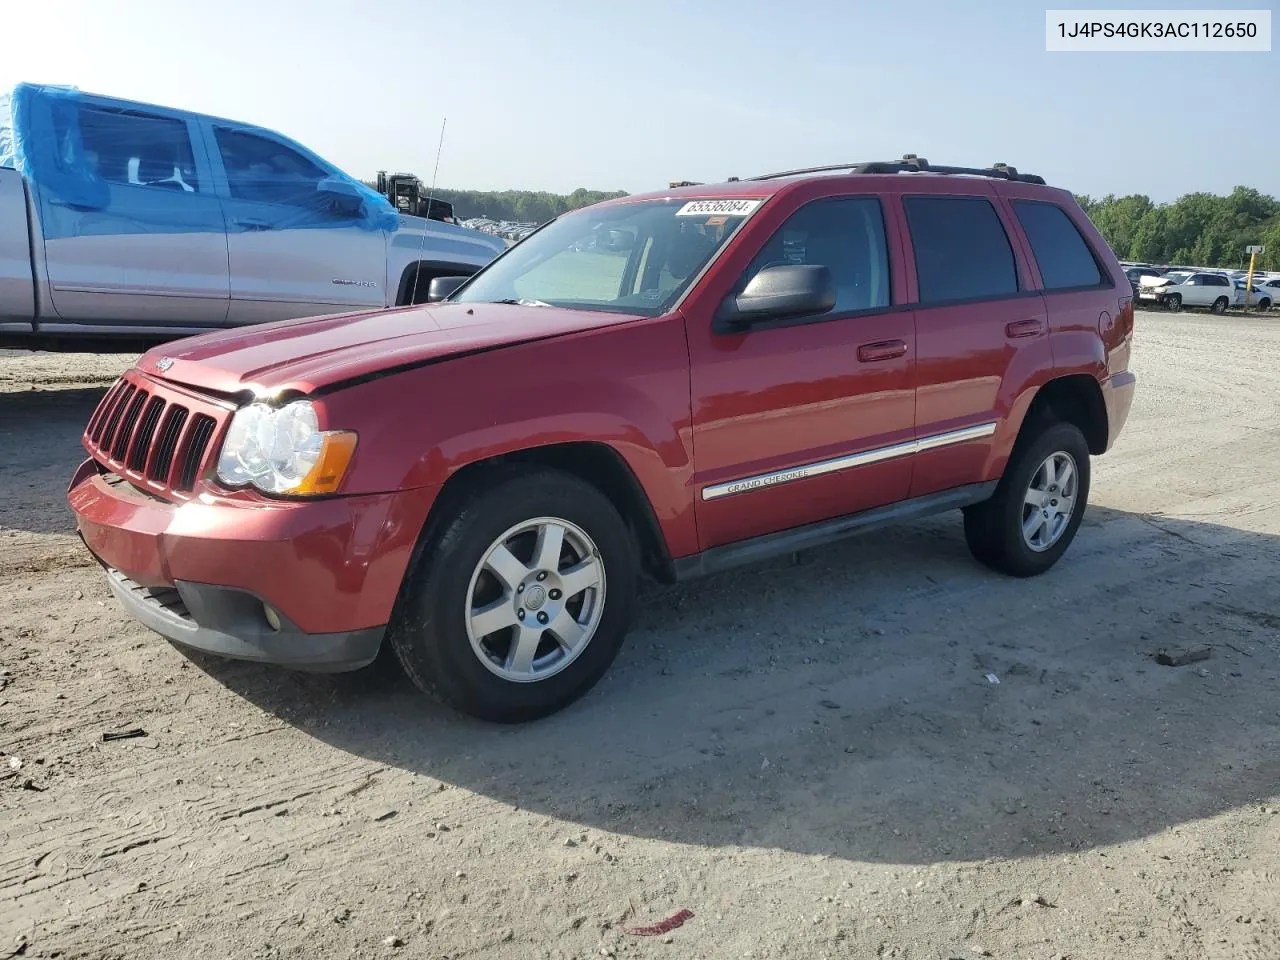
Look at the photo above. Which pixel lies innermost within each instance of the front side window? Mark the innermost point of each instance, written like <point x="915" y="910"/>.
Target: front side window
<point x="961" y="249"/>
<point x="845" y="235"/>
<point x="259" y="168"/>
<point x="1062" y="254"/>
<point x="634" y="258"/>
<point x="137" y="149"/>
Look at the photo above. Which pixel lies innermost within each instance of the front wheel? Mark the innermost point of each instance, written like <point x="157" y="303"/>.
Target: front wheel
<point x="1220" y="305"/>
<point x="1173" y="302"/>
<point x="1027" y="525"/>
<point x="519" y="601"/>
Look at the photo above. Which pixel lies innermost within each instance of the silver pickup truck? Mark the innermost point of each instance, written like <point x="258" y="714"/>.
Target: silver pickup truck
<point x="123" y="221"/>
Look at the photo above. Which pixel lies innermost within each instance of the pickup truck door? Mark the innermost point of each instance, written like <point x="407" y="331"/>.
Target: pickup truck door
<point x="156" y="253"/>
<point x="292" y="252"/>
<point x="800" y="420"/>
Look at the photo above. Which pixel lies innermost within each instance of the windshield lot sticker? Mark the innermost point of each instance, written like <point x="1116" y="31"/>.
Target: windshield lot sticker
<point x="730" y="208"/>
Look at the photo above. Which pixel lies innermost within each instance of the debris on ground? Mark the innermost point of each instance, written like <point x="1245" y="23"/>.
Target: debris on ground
<point x="123" y="734"/>
<point x="677" y="919"/>
<point x="993" y="679"/>
<point x="1180" y="658"/>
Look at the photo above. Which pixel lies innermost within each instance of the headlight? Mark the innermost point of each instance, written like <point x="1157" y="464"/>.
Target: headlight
<point x="283" y="450"/>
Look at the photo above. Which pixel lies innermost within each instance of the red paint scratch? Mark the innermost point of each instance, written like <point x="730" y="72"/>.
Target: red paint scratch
<point x="664" y="926"/>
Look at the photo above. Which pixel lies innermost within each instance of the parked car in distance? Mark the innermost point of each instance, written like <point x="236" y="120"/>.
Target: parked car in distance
<point x="1177" y="289"/>
<point x="744" y="370"/>
<point x="1261" y="297"/>
<point x="1136" y="273"/>
<point x="123" y="222"/>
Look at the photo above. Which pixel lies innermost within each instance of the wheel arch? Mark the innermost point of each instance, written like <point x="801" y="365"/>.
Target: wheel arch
<point x="593" y="462"/>
<point x="1074" y="398"/>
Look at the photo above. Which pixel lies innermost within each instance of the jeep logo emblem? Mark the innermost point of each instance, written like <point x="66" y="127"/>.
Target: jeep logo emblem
<point x="164" y="363"/>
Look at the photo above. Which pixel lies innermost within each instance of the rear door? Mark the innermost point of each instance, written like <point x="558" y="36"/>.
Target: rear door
<point x="982" y="330"/>
<point x="156" y="253"/>
<point x="802" y="419"/>
<point x="1081" y="295"/>
<point x="292" y="252"/>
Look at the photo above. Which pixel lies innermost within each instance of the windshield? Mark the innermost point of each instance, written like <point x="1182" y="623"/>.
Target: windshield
<point x="1175" y="276"/>
<point x="634" y="258"/>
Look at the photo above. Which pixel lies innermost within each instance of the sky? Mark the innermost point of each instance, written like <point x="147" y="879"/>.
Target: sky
<point x="617" y="95"/>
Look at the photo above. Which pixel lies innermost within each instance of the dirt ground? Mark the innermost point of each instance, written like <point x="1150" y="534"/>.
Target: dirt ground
<point x="809" y="757"/>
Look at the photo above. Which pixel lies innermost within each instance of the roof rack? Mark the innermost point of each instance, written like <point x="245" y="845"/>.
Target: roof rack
<point x="910" y="163"/>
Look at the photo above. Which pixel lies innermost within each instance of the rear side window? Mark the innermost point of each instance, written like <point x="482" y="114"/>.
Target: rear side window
<point x="962" y="251"/>
<point x="1061" y="252"/>
<point x="138" y="149"/>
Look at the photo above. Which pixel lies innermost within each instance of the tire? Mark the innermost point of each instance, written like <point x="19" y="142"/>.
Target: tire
<point x="994" y="530"/>
<point x="1264" y="304"/>
<point x="452" y="575"/>
<point x="1173" y="302"/>
<point x="1220" y="305"/>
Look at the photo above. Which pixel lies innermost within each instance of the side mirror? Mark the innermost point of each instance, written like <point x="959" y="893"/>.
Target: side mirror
<point x="337" y="187"/>
<point x="793" y="290"/>
<point x="443" y="287"/>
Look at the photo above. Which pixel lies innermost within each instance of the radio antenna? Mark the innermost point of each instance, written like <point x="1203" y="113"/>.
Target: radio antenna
<point x="431" y="196"/>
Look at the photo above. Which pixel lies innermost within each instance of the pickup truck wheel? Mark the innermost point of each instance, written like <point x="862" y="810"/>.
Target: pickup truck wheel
<point x="1033" y="516"/>
<point x="1220" y="305"/>
<point x="521" y="601"/>
<point x="1173" y="302"/>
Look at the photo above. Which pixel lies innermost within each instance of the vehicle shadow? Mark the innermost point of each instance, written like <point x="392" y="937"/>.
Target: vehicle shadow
<point x="848" y="705"/>
<point x="45" y="427"/>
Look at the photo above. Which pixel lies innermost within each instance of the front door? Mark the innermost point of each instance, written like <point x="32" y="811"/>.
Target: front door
<point x="800" y="420"/>
<point x="155" y="252"/>
<point x="293" y="251"/>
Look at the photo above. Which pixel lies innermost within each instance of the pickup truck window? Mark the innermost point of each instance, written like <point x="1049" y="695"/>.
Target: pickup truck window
<point x="845" y="235"/>
<point x="261" y="169"/>
<point x="635" y="258"/>
<point x="138" y="149"/>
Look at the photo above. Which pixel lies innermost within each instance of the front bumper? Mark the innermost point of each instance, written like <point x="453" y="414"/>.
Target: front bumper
<point x="231" y="623"/>
<point x="201" y="571"/>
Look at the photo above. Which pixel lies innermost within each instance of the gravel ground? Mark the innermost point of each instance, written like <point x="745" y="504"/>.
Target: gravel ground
<point x="808" y="757"/>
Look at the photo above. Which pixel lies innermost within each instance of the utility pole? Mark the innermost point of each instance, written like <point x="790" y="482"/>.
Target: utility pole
<point x="1253" y="250"/>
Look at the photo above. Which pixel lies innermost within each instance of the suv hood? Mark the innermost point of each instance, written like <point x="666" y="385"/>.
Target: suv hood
<point x="312" y="353"/>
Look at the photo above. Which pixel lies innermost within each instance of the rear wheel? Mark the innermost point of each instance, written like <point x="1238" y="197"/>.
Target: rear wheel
<point x="1220" y="305"/>
<point x="1027" y="525"/>
<point x="1173" y="302"/>
<point x="520" y="601"/>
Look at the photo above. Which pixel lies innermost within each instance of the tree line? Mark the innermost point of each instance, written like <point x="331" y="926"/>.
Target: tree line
<point x="1199" y="229"/>
<point x="525" y="206"/>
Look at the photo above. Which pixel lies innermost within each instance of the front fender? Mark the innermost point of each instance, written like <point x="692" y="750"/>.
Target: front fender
<point x="626" y="386"/>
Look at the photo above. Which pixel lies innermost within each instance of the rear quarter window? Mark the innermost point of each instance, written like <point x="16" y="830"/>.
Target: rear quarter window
<point x="1062" y="254"/>
<point x="961" y="249"/>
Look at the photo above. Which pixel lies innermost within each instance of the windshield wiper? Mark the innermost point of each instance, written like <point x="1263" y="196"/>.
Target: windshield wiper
<point x="522" y="302"/>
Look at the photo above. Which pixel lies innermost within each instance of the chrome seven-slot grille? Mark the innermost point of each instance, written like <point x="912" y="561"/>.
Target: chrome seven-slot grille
<point x="152" y="436"/>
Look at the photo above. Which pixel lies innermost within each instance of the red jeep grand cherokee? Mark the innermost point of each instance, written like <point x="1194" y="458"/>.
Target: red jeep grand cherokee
<point x="671" y="384"/>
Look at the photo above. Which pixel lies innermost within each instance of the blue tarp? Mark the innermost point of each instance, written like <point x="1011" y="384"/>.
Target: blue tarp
<point x="78" y="151"/>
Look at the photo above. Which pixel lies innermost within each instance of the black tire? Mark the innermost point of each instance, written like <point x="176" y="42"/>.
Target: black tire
<point x="1220" y="305"/>
<point x="1173" y="302"/>
<point x="429" y="633"/>
<point x="1264" y="304"/>
<point x="993" y="529"/>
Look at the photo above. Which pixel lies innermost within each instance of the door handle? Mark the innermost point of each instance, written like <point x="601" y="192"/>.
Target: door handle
<point x="251" y="224"/>
<point x="884" y="350"/>
<point x="1024" y="328"/>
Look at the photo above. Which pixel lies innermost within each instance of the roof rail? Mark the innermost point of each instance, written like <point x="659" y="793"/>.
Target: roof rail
<point x="910" y="163"/>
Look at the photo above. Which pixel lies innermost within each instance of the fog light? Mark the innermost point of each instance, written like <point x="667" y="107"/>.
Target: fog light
<point x="273" y="618"/>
